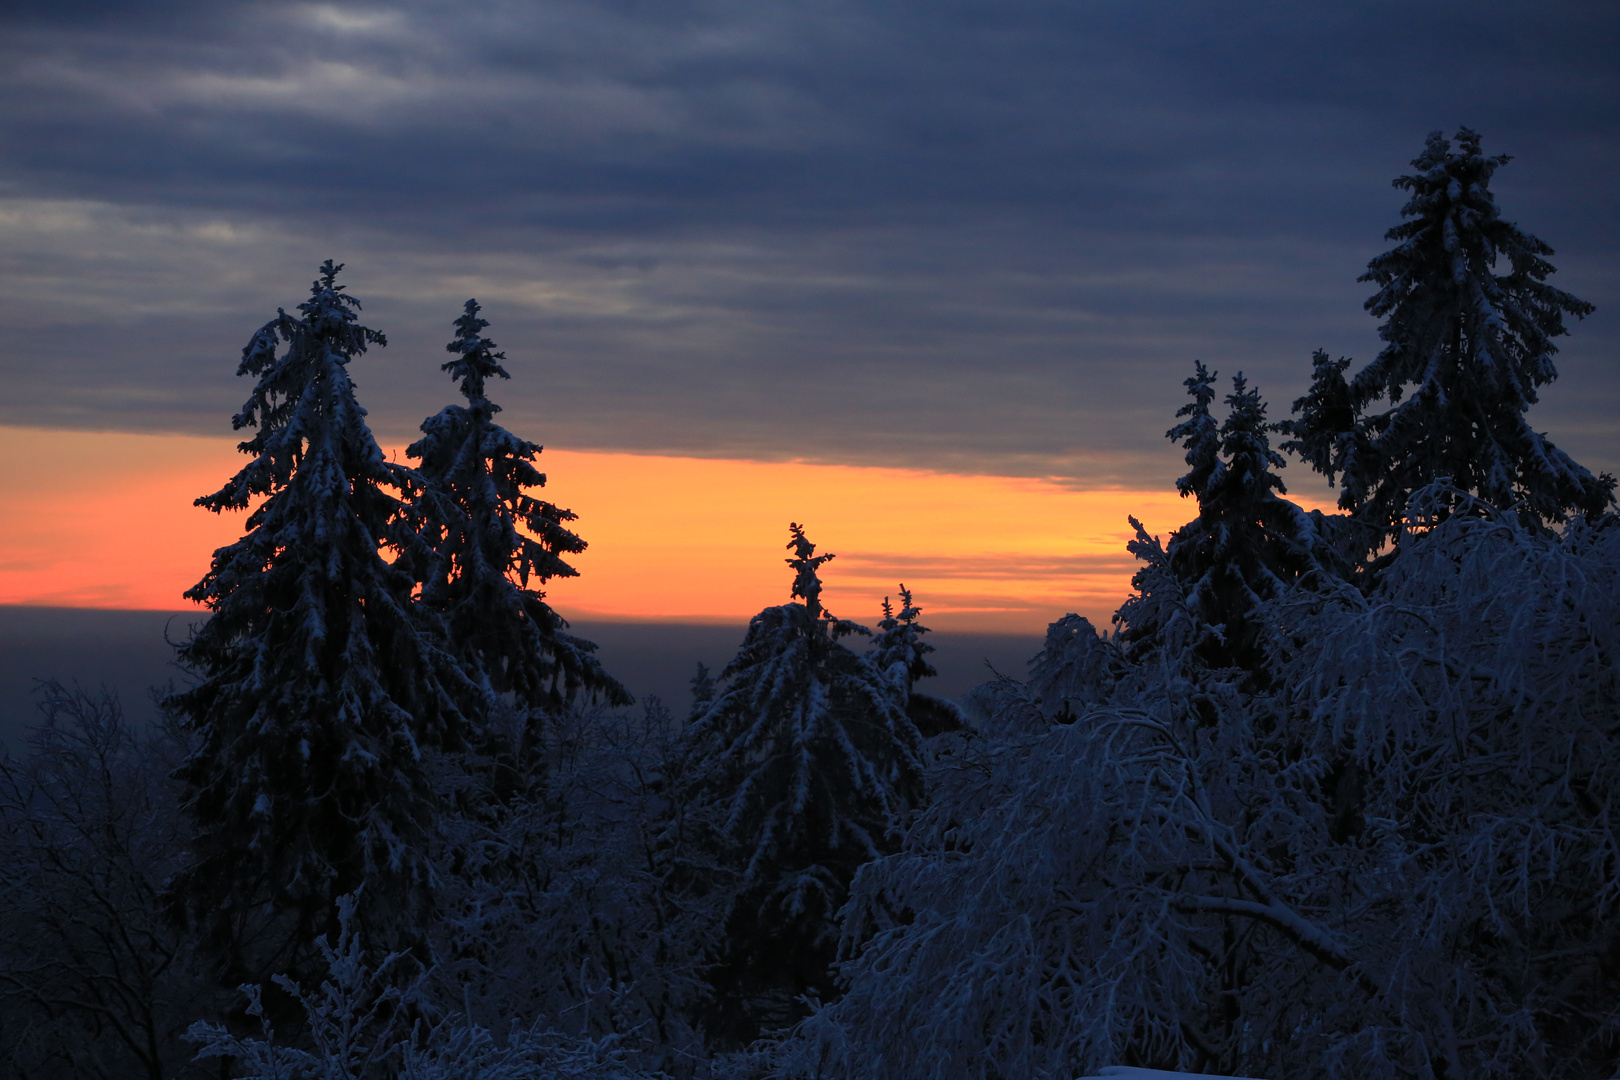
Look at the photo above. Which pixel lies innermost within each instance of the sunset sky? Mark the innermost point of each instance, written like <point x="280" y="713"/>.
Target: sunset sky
<point x="690" y="539"/>
<point x="925" y="276"/>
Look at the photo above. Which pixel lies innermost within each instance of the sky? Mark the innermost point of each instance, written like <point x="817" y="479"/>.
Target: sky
<point x="1038" y="545"/>
<point x="964" y="252"/>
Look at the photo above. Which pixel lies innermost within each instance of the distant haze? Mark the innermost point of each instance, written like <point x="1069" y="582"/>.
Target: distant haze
<point x="126" y="652"/>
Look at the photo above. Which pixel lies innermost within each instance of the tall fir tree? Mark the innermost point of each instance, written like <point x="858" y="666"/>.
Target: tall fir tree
<point x="1466" y="351"/>
<point x="320" y="682"/>
<point x="1247" y="544"/>
<point x="489" y="546"/>
<point x="810" y="764"/>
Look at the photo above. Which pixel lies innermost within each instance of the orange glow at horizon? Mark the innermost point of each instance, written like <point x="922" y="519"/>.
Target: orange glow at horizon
<point x="105" y="520"/>
<point x="705" y="540"/>
<point x="94" y="519"/>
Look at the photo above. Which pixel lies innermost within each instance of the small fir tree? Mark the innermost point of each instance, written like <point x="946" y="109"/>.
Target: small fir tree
<point x="490" y="545"/>
<point x="898" y="650"/>
<point x="1247" y="544"/>
<point x="1466" y="351"/>
<point x="319" y="681"/>
<point x="898" y="647"/>
<point x="810" y="764"/>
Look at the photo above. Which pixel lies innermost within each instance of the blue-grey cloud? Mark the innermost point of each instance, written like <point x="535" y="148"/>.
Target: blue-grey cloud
<point x="986" y="236"/>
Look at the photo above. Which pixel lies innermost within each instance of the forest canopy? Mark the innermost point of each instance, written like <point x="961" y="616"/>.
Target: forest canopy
<point x="1334" y="796"/>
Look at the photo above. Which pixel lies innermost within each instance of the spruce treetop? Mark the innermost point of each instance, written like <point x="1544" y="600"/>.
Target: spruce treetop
<point x="806" y="566"/>
<point x="479" y="526"/>
<point x="476" y="359"/>
<point x="1438" y="290"/>
<point x="1325" y="430"/>
<point x="312" y="449"/>
<point x="1469" y="329"/>
<point x="291" y="422"/>
<point x="805" y="763"/>
<point x="1247" y="544"/>
<point x="1249" y="456"/>
<point x="899" y="640"/>
<point x="1198" y="433"/>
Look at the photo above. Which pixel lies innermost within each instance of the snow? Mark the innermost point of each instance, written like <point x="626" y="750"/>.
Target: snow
<point x="1129" y="1072"/>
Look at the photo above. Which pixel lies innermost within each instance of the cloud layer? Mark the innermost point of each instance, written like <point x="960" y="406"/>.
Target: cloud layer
<point x="984" y="237"/>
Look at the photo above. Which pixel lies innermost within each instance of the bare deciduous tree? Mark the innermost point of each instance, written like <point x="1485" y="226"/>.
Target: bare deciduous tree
<point x="94" y="982"/>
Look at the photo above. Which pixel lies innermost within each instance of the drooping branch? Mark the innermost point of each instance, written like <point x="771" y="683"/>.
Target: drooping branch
<point x="1298" y="929"/>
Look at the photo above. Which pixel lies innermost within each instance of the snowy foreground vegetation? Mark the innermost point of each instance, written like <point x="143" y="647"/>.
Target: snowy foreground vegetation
<point x="1335" y="796"/>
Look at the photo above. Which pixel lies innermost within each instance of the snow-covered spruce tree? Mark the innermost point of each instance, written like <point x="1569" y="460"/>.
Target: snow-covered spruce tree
<point x="1469" y="323"/>
<point x="898" y="650"/>
<point x="1399" y="862"/>
<point x="899" y="640"/>
<point x="490" y="545"/>
<point x="319" y="681"/>
<point x="811" y="765"/>
<point x="1247" y="544"/>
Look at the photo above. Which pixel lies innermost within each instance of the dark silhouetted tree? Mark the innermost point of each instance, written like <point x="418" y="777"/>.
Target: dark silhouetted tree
<point x="899" y="641"/>
<point x="1247" y="544"/>
<point x="810" y="764"/>
<point x="899" y="651"/>
<point x="490" y="545"/>
<point x="319" y="681"/>
<point x="1467" y="349"/>
<point x="94" y="980"/>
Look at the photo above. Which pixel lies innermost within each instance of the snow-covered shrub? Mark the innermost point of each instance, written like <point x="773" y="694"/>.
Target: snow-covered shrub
<point x="1001" y="941"/>
<point x="1401" y="860"/>
<point x="362" y="1023"/>
<point x="1075" y="668"/>
<point x="568" y="899"/>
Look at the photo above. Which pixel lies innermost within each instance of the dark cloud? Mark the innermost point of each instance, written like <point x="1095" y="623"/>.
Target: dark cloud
<point x="960" y="235"/>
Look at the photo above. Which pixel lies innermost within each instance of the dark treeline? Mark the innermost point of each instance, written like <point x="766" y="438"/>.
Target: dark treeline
<point x="128" y="652"/>
<point x="1334" y="797"/>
